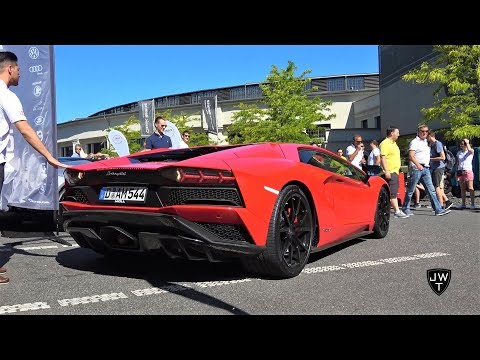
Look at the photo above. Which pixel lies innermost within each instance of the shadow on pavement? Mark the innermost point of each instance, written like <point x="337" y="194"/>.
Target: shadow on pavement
<point x="160" y="272"/>
<point x="151" y="267"/>
<point x="26" y="223"/>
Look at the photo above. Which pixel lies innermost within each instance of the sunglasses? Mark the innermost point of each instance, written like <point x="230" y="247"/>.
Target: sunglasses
<point x="424" y="131"/>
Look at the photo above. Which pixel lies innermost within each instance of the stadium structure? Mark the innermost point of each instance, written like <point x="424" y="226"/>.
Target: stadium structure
<point x="355" y="103"/>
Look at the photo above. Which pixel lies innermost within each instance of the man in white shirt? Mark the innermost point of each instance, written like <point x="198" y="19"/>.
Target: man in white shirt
<point x="355" y="151"/>
<point x="11" y="112"/>
<point x="419" y="156"/>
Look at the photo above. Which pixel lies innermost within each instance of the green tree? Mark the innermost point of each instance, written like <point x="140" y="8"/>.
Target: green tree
<point x="133" y="136"/>
<point x="284" y="114"/>
<point x="456" y="70"/>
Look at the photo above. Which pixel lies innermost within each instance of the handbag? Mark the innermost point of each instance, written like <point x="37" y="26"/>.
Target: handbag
<point x="460" y="172"/>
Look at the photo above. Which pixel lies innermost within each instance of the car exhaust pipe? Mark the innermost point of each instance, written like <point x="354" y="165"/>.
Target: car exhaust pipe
<point x="118" y="238"/>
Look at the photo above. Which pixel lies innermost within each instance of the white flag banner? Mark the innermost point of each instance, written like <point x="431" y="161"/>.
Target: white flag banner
<point x="172" y="131"/>
<point x="119" y="142"/>
<point x="29" y="181"/>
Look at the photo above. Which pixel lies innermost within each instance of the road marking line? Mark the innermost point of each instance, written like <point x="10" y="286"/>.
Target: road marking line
<point x="38" y="247"/>
<point x="92" y="299"/>
<point x="322" y="269"/>
<point x="399" y="259"/>
<point x="430" y="255"/>
<point x="24" y="307"/>
<point x="362" y="264"/>
<point x="42" y="247"/>
<point x="160" y="290"/>
<point x="372" y="262"/>
<point x="205" y="284"/>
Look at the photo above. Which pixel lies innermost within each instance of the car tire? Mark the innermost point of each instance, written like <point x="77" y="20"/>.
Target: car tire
<point x="289" y="239"/>
<point x="382" y="215"/>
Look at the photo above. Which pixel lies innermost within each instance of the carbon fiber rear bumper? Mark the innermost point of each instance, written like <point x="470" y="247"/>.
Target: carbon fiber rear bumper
<point x="127" y="231"/>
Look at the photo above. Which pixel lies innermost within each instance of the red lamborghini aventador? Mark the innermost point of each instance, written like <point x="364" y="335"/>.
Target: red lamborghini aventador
<point x="268" y="204"/>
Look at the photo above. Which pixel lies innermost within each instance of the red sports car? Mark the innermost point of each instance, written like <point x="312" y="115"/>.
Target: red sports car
<point x="268" y="204"/>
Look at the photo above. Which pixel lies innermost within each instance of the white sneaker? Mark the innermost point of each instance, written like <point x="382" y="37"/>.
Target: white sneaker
<point x="443" y="212"/>
<point x="400" y="214"/>
<point x="474" y="207"/>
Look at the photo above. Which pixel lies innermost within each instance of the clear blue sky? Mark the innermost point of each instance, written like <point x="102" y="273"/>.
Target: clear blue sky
<point x="93" y="78"/>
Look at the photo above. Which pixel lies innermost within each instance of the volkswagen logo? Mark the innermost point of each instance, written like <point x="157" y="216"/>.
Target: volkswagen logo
<point x="37" y="91"/>
<point x="33" y="52"/>
<point x="38" y="120"/>
<point x="35" y="68"/>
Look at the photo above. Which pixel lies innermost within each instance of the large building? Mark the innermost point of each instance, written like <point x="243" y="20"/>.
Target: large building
<point x="355" y="103"/>
<point x="400" y="101"/>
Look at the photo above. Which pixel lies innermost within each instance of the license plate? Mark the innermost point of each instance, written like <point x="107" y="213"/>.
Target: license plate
<point x="123" y="194"/>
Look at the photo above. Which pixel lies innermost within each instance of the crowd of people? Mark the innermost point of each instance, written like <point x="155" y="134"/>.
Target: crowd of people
<point x="427" y="162"/>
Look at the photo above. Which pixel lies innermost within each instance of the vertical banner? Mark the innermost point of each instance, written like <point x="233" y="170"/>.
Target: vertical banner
<point x="119" y="142"/>
<point x="209" y="112"/>
<point x="146" y="116"/>
<point x="30" y="182"/>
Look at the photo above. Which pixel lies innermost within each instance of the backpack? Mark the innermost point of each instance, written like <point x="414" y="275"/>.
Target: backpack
<point x="449" y="159"/>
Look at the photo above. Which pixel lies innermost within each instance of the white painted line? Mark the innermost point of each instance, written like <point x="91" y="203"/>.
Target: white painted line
<point x="322" y="269"/>
<point x="362" y="264"/>
<point x="160" y="290"/>
<point x="38" y="247"/>
<point x="42" y="247"/>
<point x="205" y="284"/>
<point x="372" y="263"/>
<point x="399" y="259"/>
<point x="92" y="299"/>
<point x="24" y="307"/>
<point x="430" y="255"/>
<point x="271" y="190"/>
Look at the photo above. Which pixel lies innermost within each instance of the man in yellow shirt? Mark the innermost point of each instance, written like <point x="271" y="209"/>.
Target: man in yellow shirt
<point x="390" y="162"/>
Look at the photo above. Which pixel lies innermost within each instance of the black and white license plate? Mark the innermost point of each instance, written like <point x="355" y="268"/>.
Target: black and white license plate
<point x="123" y="194"/>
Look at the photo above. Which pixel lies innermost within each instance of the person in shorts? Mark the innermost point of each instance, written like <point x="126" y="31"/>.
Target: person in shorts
<point x="390" y="162"/>
<point x="465" y="173"/>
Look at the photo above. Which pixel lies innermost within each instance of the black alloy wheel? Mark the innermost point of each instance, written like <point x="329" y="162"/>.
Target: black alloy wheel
<point x="382" y="215"/>
<point x="291" y="232"/>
